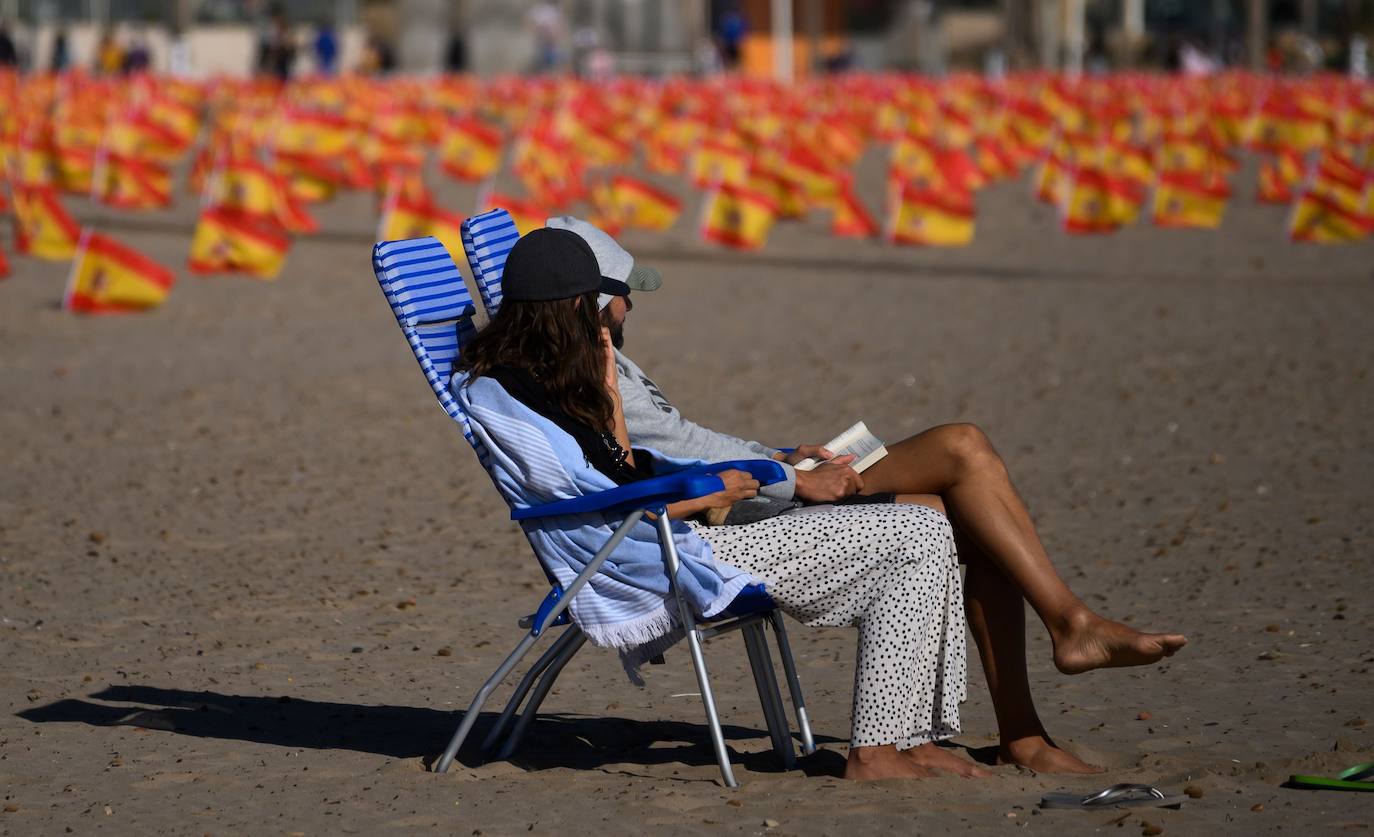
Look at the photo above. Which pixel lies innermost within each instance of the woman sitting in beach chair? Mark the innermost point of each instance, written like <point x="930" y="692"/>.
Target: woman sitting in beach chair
<point x="891" y="571"/>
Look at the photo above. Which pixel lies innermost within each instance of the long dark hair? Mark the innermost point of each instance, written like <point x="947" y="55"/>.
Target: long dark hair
<point x="559" y="343"/>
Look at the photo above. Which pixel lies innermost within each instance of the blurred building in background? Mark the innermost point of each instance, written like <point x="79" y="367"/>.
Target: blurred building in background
<point x="780" y="38"/>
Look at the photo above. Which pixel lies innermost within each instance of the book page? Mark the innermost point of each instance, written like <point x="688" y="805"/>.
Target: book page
<point x="858" y="441"/>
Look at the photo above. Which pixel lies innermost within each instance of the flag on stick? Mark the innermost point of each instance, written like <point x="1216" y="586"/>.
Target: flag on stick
<point x="109" y="277"/>
<point x="737" y="217"/>
<point x="234" y="241"/>
<point x="42" y="227"/>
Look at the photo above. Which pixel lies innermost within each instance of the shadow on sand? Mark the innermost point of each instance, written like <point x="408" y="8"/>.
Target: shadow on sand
<point x="406" y="732"/>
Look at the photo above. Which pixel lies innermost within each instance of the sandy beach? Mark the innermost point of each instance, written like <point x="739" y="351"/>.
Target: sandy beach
<point x="250" y="573"/>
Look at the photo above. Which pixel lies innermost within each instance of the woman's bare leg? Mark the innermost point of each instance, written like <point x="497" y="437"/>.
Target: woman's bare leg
<point x="957" y="462"/>
<point x="996" y="618"/>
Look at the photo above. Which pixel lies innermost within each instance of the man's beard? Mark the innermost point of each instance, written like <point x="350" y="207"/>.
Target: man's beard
<point x="617" y="334"/>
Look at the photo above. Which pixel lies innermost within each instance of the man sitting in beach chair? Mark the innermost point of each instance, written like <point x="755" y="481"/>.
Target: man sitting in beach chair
<point x="952" y="468"/>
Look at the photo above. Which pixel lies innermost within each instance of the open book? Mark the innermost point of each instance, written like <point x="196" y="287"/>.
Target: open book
<point x="866" y="447"/>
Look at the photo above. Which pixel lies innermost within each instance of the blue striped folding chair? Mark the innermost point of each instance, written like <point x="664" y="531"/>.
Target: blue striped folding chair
<point x="434" y="309"/>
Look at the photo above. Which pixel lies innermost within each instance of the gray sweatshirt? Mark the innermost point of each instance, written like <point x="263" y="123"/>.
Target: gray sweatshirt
<point x="654" y="423"/>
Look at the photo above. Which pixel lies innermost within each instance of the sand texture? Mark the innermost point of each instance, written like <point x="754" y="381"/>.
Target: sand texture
<point x="250" y="572"/>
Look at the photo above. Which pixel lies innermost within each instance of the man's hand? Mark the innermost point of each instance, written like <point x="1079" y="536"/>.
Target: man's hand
<point x="829" y="481"/>
<point x="816" y="452"/>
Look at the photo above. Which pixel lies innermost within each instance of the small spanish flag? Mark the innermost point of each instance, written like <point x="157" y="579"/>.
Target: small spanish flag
<point x="251" y="187"/>
<point x="234" y="241"/>
<point x="851" y="218"/>
<point x="405" y="217"/>
<point x="1278" y="174"/>
<point x="128" y="183"/>
<point x="108" y="277"/>
<point x="641" y="205"/>
<point x="716" y="162"/>
<point x="309" y="177"/>
<point x="924" y="216"/>
<point x="4" y="265"/>
<point x="1184" y="199"/>
<point x="1098" y="202"/>
<point x="42" y="227"/>
<point x="1051" y="180"/>
<point x="737" y="217"/>
<point x="470" y="150"/>
<point x="1320" y="219"/>
<point x="526" y="214"/>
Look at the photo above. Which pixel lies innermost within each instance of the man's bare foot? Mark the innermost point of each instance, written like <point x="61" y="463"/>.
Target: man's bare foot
<point x="937" y="757"/>
<point x="1088" y="641"/>
<point x="868" y="763"/>
<point x="1039" y="754"/>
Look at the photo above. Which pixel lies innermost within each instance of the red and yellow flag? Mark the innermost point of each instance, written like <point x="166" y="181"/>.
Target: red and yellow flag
<point x="1319" y="219"/>
<point x="405" y="217"/>
<point x="526" y="214"/>
<point x="851" y="218"/>
<point x="716" y="162"/>
<point x="1278" y="174"/>
<point x="128" y="183"/>
<point x="42" y="227"/>
<point x="252" y="188"/>
<point x="108" y="277"/>
<point x="1098" y="202"/>
<point x="936" y="218"/>
<point x="1184" y="199"/>
<point x="470" y="150"/>
<point x="638" y="204"/>
<point x="737" y="217"/>
<point x="234" y="241"/>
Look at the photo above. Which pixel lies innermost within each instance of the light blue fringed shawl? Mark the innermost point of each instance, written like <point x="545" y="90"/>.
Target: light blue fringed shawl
<point x="626" y="605"/>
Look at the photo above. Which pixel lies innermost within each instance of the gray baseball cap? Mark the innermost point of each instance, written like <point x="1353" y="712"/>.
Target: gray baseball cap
<point x="615" y="261"/>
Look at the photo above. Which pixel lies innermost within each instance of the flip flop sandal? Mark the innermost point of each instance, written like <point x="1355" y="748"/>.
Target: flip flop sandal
<point x="1347" y="780"/>
<point x="1117" y="796"/>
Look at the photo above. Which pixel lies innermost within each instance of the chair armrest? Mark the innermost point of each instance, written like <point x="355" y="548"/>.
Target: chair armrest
<point x="686" y="484"/>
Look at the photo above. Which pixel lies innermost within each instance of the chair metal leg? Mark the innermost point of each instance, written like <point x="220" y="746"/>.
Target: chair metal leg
<point x="470" y="717"/>
<point x="789" y="669"/>
<point x="775" y="716"/>
<point x="688" y="621"/>
<point x="503" y="722"/>
<point x="546" y="682"/>
<point x="592" y="568"/>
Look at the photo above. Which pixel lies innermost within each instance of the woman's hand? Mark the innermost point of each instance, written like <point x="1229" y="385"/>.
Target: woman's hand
<point x="611" y="376"/>
<point x="739" y="485"/>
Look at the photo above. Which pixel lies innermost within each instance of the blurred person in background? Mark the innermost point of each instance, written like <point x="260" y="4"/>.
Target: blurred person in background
<point x="378" y="59"/>
<point x="9" y="56"/>
<point x="61" y="52"/>
<point x="179" y="54"/>
<point x="137" y="58"/>
<point x="277" y="48"/>
<point x="546" y="20"/>
<point x="109" y="55"/>
<point x="731" y="27"/>
<point x="326" y="47"/>
<point x="456" y="56"/>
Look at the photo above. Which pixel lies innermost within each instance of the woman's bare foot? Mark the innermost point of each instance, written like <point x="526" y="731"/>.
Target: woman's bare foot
<point x="869" y="763"/>
<point x="1088" y="641"/>
<point x="937" y="757"/>
<point x="1039" y="754"/>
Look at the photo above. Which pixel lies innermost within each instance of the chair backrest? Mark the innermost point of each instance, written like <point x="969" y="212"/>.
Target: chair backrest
<point x="434" y="309"/>
<point x="487" y="239"/>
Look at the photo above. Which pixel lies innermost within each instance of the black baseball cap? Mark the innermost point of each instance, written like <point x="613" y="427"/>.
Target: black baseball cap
<point x="548" y="264"/>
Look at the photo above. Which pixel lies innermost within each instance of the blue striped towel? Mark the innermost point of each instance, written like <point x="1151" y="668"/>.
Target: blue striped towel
<point x="626" y="605"/>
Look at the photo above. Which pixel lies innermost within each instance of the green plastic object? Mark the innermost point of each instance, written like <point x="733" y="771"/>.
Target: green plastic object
<point x="1357" y="778"/>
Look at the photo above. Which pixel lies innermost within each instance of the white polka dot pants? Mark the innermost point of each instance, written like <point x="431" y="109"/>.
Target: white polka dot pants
<point x="893" y="571"/>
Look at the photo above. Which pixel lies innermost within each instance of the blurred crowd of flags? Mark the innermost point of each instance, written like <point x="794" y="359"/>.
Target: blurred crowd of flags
<point x="1102" y="150"/>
